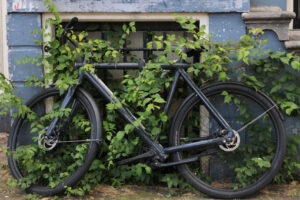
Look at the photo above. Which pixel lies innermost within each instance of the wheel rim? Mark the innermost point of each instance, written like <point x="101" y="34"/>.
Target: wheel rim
<point x="237" y="174"/>
<point x="61" y="166"/>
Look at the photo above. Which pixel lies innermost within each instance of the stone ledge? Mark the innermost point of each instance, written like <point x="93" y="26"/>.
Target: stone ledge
<point x="294" y="35"/>
<point x="294" y="41"/>
<point x="269" y="18"/>
<point x="292" y="45"/>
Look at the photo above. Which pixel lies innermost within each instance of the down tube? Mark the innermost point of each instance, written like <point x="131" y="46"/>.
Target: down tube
<point x="107" y="93"/>
<point x="206" y="102"/>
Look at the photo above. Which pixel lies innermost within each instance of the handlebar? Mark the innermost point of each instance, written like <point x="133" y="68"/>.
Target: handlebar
<point x="69" y="25"/>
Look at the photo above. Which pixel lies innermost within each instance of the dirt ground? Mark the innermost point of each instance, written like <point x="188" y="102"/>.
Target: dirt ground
<point x="132" y="192"/>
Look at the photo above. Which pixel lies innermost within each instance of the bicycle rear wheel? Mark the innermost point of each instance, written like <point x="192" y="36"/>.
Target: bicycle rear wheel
<point x="52" y="171"/>
<point x="222" y="171"/>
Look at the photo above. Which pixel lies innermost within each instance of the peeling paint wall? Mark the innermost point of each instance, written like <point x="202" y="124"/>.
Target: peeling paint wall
<point x="292" y="124"/>
<point x="280" y="3"/>
<point x="225" y="27"/>
<point x="21" y="43"/>
<point x="225" y="23"/>
<point x="4" y="120"/>
<point x="25" y="15"/>
<point x="132" y="6"/>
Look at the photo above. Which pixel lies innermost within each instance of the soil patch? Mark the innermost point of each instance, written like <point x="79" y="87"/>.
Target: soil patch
<point x="133" y="192"/>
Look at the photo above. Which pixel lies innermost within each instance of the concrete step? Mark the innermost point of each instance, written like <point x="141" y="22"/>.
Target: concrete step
<point x="292" y="44"/>
<point x="294" y="35"/>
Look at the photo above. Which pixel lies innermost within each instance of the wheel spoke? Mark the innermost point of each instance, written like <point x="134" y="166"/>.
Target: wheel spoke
<point x="256" y="118"/>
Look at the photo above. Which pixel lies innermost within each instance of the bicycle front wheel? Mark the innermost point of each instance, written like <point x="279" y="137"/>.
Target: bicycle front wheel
<point x="233" y="170"/>
<point x="50" y="168"/>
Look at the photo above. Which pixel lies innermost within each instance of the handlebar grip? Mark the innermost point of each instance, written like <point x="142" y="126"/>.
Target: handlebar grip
<point x="73" y="21"/>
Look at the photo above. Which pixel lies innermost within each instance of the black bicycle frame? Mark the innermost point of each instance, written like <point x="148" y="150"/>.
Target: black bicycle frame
<point x="161" y="152"/>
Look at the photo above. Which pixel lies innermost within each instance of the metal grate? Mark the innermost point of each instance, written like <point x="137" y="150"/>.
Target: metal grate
<point x="296" y="24"/>
<point x="144" y="34"/>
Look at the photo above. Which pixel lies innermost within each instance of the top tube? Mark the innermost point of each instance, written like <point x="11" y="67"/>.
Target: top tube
<point x="134" y="65"/>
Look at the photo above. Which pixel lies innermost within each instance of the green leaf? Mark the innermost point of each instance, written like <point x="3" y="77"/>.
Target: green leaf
<point x="148" y="170"/>
<point x="158" y="44"/>
<point x="129" y="128"/>
<point x="223" y="76"/>
<point x="155" y="131"/>
<point x="158" y="99"/>
<point x="285" y="60"/>
<point x="120" y="135"/>
<point x="277" y="54"/>
<point x="296" y="65"/>
<point x="227" y="99"/>
<point x="149" y="45"/>
<point x="154" y="90"/>
<point x="275" y="88"/>
<point x="139" y="171"/>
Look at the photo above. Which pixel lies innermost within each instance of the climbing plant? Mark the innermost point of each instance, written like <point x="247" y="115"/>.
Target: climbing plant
<point x="275" y="73"/>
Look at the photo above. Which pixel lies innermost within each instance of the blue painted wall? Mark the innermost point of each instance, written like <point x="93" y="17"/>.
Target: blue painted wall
<point x="226" y="27"/>
<point x="292" y="124"/>
<point x="274" y="44"/>
<point x="279" y="3"/>
<point x="25" y="17"/>
<point x="21" y="43"/>
<point x="225" y="23"/>
<point x="136" y="6"/>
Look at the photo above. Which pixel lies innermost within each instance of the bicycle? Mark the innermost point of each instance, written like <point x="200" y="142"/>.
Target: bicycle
<point x="207" y="141"/>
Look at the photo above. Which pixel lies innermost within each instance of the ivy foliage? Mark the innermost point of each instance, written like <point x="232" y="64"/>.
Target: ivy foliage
<point x="275" y="73"/>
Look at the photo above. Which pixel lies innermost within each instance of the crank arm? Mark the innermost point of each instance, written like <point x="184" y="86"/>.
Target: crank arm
<point x="188" y="160"/>
<point x="196" y="145"/>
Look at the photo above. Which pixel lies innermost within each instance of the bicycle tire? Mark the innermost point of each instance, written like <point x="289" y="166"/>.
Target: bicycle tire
<point x="221" y="174"/>
<point x="64" y="154"/>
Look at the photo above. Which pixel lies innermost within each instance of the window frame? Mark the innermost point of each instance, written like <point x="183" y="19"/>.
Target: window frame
<point x="203" y="18"/>
<point x="1" y="37"/>
<point x="3" y="40"/>
<point x="290" y="6"/>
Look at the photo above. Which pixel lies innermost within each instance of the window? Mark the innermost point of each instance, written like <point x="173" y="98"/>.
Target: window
<point x="135" y="46"/>
<point x="146" y="24"/>
<point x="145" y="21"/>
<point x="296" y="24"/>
<point x="3" y="44"/>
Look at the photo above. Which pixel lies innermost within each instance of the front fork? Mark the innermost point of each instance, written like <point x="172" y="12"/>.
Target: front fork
<point x="65" y="102"/>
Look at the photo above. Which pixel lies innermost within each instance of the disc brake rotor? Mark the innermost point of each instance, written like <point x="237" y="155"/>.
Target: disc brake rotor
<point x="50" y="142"/>
<point x="233" y="144"/>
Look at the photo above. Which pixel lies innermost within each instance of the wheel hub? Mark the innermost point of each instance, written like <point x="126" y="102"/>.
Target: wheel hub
<point x="232" y="143"/>
<point x="49" y="142"/>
